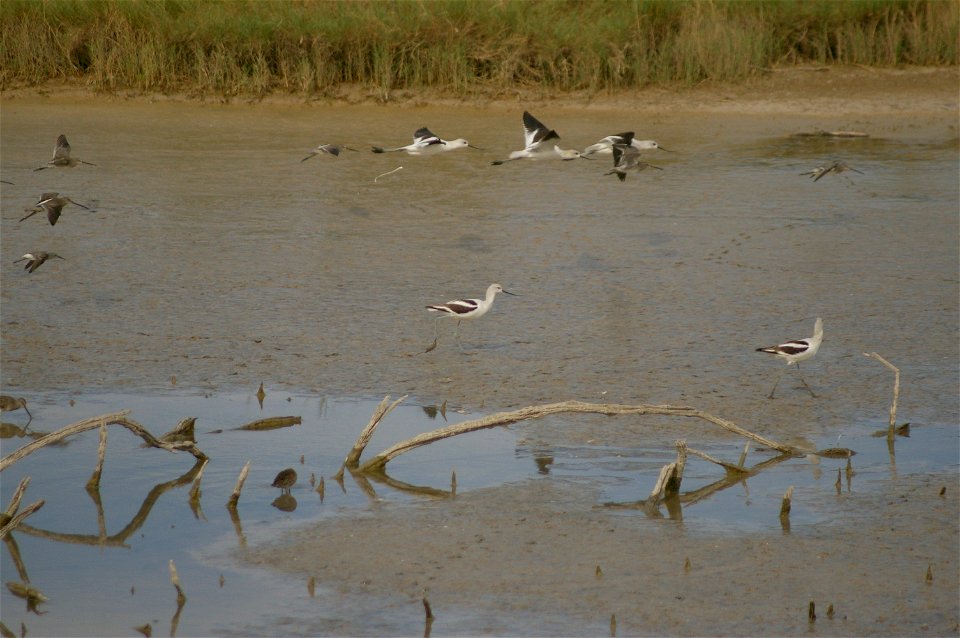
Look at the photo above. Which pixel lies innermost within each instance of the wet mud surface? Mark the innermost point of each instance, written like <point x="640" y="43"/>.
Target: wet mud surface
<point x="214" y="259"/>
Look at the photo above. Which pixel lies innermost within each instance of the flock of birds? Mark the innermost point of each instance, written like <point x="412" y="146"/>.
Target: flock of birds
<point x="540" y="142"/>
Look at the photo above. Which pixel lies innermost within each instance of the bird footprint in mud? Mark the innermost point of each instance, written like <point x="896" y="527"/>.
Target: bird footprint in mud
<point x="720" y="254"/>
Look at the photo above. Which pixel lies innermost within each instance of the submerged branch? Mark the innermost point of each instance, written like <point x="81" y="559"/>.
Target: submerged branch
<point x="379" y="462"/>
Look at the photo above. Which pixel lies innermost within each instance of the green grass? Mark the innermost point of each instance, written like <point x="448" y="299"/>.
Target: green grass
<point x="312" y="47"/>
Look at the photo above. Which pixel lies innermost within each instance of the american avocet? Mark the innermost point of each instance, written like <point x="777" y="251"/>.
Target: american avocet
<point x="627" y="158"/>
<point x="605" y="146"/>
<point x="35" y="259"/>
<point x="539" y="143"/>
<point x="793" y="352"/>
<point x="462" y="309"/>
<point x="426" y="143"/>
<point x="836" y="167"/>
<point x="10" y="404"/>
<point x="53" y="204"/>
<point x="61" y="155"/>
<point x="329" y="149"/>
<point x="285" y="479"/>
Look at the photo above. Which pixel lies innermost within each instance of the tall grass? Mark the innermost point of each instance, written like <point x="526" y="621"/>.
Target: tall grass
<point x="310" y="46"/>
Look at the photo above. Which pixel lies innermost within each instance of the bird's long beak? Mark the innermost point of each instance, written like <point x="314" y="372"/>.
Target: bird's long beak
<point x="664" y="149"/>
<point x="585" y="157"/>
<point x="507" y="292"/>
<point x="476" y="147"/>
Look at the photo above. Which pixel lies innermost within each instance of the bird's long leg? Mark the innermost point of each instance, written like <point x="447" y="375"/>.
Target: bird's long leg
<point x="779" y="376"/>
<point x="805" y="382"/>
<point x="436" y="335"/>
<point x="456" y="333"/>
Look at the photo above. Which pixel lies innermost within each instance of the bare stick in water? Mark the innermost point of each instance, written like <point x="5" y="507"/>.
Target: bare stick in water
<point x="232" y="503"/>
<point x="896" y="390"/>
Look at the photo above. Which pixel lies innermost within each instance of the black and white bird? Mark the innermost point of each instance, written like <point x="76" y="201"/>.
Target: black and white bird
<point x="539" y="143"/>
<point x="461" y="309"/>
<point x="35" y="259"/>
<point x="793" y="352"/>
<point x="61" y="156"/>
<point x="53" y="204"/>
<point x="627" y="158"/>
<point x="329" y="149"/>
<point x="426" y="143"/>
<point x="836" y="168"/>
<point x="605" y="146"/>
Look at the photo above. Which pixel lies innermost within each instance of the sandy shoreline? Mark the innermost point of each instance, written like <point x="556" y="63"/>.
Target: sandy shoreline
<point x="796" y="90"/>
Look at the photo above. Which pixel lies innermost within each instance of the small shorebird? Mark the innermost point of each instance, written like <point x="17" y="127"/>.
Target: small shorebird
<point x="426" y="143"/>
<point x="539" y="144"/>
<point x="461" y="309"/>
<point x="330" y="149"/>
<point x="836" y="167"/>
<point x="10" y="404"/>
<point x="61" y="156"/>
<point x="35" y="259"/>
<point x="793" y="352"/>
<point x="285" y="479"/>
<point x="627" y="158"/>
<point x="53" y="204"/>
<point x="605" y="146"/>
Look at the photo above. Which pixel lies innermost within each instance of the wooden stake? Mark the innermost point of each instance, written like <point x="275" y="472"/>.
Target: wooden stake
<point x="785" y="505"/>
<point x="101" y="454"/>
<point x="232" y="503"/>
<point x="811" y="612"/>
<point x="896" y="391"/>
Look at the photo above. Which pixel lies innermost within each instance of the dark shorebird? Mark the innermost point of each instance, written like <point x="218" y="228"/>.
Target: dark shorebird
<point x="329" y="149"/>
<point x="61" y="156"/>
<point x="461" y="309"/>
<point x="836" y="168"/>
<point x="793" y="352"/>
<point x="285" y="479"/>
<point x="627" y="158"/>
<point x="10" y="404"/>
<point x="53" y="204"/>
<point x="35" y="259"/>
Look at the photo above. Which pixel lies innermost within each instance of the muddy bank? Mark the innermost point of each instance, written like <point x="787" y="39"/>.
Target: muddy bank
<point x="492" y="558"/>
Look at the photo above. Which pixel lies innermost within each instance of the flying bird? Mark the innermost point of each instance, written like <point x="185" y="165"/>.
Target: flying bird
<point x="539" y="143"/>
<point x="627" y="158"/>
<point x="426" y="143"/>
<point x="330" y="149"/>
<point x="836" y="168"/>
<point x="61" y="156"/>
<point x="53" y="204"/>
<point x="35" y="259"/>
<point x="605" y="146"/>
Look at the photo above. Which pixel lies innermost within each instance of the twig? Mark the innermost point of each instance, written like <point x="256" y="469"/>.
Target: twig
<point x="14" y="522"/>
<point x="94" y="481"/>
<point x="896" y="390"/>
<point x="385" y="407"/>
<point x="387" y="173"/>
<point x="15" y="501"/>
<point x="232" y="503"/>
<point x="379" y="462"/>
<point x="116" y="418"/>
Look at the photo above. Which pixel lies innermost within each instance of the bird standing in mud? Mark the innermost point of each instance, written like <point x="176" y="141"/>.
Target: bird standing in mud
<point x="793" y="352"/>
<point x="36" y="259"/>
<point x="53" y="204"/>
<point x="285" y="479"/>
<point x="627" y="158"/>
<point x="461" y="309"/>
<point x="61" y="156"/>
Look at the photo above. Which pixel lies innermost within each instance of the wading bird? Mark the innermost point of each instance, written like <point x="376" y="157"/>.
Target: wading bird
<point x="793" y="352"/>
<point x="285" y="479"/>
<point x="627" y="158"/>
<point x="53" y="204"/>
<point x="426" y="143"/>
<point x="10" y="404"/>
<point x="539" y="143"/>
<point x="35" y="259"/>
<point x="461" y="309"/>
<point x="836" y="168"/>
<point x="61" y="156"/>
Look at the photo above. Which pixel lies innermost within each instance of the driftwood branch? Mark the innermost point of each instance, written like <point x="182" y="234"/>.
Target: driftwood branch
<point x="385" y="407"/>
<point x="379" y="462"/>
<point x="15" y="521"/>
<point x="235" y="497"/>
<point x="896" y="391"/>
<point x="116" y="418"/>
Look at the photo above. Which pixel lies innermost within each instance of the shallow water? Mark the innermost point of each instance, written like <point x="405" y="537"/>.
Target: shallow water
<point x="214" y="260"/>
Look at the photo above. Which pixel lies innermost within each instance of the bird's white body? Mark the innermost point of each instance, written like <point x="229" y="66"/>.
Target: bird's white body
<point x="426" y="143"/>
<point x="605" y="146"/>
<point x="793" y="352"/>
<point x="461" y="309"/>
<point x="539" y="144"/>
